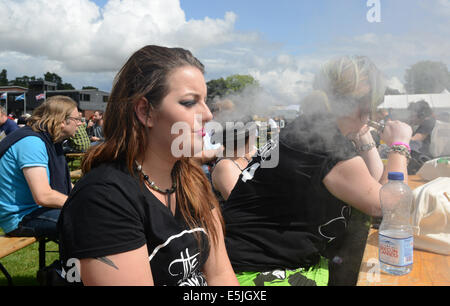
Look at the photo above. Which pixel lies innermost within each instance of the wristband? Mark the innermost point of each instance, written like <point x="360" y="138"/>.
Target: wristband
<point x="401" y="149"/>
<point x="402" y="144"/>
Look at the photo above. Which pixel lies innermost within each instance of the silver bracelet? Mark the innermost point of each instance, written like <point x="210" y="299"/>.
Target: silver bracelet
<point x="401" y="149"/>
<point x="366" y="147"/>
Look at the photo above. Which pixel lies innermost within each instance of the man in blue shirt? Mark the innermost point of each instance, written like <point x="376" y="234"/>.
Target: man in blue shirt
<point x="6" y="125"/>
<point x="34" y="177"/>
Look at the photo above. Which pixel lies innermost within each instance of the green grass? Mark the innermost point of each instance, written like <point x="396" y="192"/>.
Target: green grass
<point x="75" y="164"/>
<point x="24" y="264"/>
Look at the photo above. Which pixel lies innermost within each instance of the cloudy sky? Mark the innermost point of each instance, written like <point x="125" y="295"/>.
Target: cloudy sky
<point x="281" y="43"/>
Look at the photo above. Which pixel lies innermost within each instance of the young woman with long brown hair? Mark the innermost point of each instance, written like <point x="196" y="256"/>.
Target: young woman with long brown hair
<point x="140" y="215"/>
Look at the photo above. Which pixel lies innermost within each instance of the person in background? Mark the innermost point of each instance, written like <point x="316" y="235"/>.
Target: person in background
<point x="95" y="130"/>
<point x="227" y="169"/>
<point x="22" y="121"/>
<point x="423" y="121"/>
<point x="382" y="115"/>
<point x="290" y="224"/>
<point x="80" y="142"/>
<point x="422" y="118"/>
<point x="7" y="125"/>
<point x="142" y="214"/>
<point x="34" y="176"/>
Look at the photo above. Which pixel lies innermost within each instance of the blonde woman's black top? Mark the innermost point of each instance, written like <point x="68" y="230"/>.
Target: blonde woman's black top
<point x="284" y="217"/>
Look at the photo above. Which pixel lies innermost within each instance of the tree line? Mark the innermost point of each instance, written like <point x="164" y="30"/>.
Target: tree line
<point x="424" y="77"/>
<point x="24" y="81"/>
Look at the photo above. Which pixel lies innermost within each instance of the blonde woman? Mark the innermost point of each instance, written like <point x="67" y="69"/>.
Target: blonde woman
<point x="34" y="176"/>
<point x="285" y="225"/>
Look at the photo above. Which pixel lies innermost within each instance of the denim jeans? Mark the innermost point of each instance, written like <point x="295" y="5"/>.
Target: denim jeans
<point x="39" y="223"/>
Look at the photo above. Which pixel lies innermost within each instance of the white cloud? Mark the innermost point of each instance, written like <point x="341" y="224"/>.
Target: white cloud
<point x="286" y="77"/>
<point x="393" y="53"/>
<point x="442" y="7"/>
<point x="74" y="36"/>
<point x="395" y="83"/>
<point x="86" y="45"/>
<point x="286" y="85"/>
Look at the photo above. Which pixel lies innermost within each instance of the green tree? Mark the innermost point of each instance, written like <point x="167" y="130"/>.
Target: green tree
<point x="23" y="81"/>
<point x="65" y="86"/>
<point x="237" y="82"/>
<point x="53" y="77"/>
<point x="4" y="78"/>
<point x="392" y="91"/>
<point x="216" y="88"/>
<point x="233" y="84"/>
<point x="427" y="77"/>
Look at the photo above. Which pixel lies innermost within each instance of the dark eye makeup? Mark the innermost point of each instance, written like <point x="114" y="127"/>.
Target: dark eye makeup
<point x="188" y="103"/>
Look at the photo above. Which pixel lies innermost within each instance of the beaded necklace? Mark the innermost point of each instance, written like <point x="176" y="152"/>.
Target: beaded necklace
<point x="153" y="186"/>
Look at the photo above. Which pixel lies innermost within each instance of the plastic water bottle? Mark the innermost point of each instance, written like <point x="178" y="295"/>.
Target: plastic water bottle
<point x="395" y="232"/>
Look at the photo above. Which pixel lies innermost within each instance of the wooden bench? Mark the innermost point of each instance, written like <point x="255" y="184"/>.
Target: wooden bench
<point x="71" y="157"/>
<point x="74" y="155"/>
<point x="76" y="174"/>
<point x="9" y="245"/>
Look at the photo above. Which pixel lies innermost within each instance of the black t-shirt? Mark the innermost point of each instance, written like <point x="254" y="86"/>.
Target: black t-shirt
<point x="284" y="217"/>
<point x="110" y="212"/>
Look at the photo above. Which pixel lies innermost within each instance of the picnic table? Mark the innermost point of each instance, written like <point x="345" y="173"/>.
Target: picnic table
<point x="71" y="157"/>
<point x="76" y="174"/>
<point x="429" y="269"/>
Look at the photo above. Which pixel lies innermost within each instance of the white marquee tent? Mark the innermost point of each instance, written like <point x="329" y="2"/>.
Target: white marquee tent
<point x="438" y="102"/>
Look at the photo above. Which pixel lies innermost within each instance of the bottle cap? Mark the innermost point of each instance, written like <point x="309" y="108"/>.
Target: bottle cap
<point x="396" y="176"/>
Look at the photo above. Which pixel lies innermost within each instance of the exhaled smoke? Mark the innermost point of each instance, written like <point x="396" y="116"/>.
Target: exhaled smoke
<point x="252" y="101"/>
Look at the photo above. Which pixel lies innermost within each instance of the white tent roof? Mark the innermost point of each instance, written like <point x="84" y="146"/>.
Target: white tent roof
<point x="402" y="101"/>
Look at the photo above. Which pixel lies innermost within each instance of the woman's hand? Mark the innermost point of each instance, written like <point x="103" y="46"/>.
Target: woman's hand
<point x="362" y="137"/>
<point x="366" y="148"/>
<point x="396" y="131"/>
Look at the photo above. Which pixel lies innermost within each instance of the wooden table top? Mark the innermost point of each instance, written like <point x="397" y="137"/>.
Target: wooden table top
<point x="415" y="181"/>
<point x="74" y="155"/>
<point x="76" y="174"/>
<point x="429" y="269"/>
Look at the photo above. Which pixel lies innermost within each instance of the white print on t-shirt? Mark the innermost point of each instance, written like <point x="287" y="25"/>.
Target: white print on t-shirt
<point x="269" y="159"/>
<point x="199" y="229"/>
<point x="189" y="265"/>
<point x="330" y="224"/>
<point x="248" y="173"/>
<point x="188" y="262"/>
<point x="186" y="265"/>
